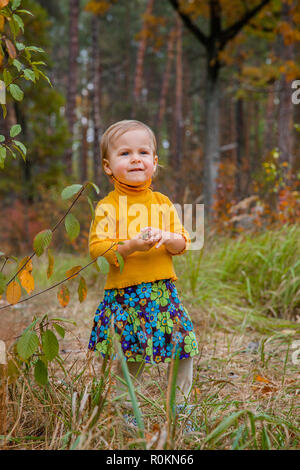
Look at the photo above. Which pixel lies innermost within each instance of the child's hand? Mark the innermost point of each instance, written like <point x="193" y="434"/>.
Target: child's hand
<point x="143" y="241"/>
<point x="155" y="235"/>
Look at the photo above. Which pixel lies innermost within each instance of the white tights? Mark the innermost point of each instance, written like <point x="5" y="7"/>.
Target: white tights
<point x="184" y="378"/>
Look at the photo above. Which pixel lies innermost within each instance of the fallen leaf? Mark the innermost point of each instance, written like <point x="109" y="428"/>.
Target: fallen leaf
<point x="259" y="378"/>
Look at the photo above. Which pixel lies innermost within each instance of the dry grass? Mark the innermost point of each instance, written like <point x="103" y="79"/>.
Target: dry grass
<point x="243" y="398"/>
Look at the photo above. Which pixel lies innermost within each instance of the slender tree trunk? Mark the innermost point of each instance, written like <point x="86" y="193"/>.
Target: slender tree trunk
<point x="165" y="83"/>
<point x="140" y="58"/>
<point x="269" y="122"/>
<point x="72" y="77"/>
<point x="178" y="103"/>
<point x="96" y="114"/>
<point x="285" y="118"/>
<point x="240" y="138"/>
<point x="212" y="134"/>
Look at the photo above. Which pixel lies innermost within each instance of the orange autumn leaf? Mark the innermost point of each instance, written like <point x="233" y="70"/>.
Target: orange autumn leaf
<point x="50" y="264"/>
<point x="13" y="292"/>
<point x="82" y="289"/>
<point x="72" y="272"/>
<point x="3" y="3"/>
<point x="63" y="296"/>
<point x="2" y="20"/>
<point x="259" y="378"/>
<point x="10" y="48"/>
<point x="28" y="266"/>
<point x="27" y="281"/>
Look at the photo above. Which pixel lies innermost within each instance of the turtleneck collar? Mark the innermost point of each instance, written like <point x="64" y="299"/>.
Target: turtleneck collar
<point x="123" y="188"/>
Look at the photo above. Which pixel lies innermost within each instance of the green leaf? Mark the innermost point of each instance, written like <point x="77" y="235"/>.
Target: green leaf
<point x="50" y="345"/>
<point x="40" y="373"/>
<point x="4" y="110"/>
<point x="35" y="49"/>
<point x="19" y="21"/>
<point x="72" y="226"/>
<point x="25" y="11"/>
<point x="7" y="77"/>
<point x="29" y="75"/>
<point x="69" y="191"/>
<point x="15" y="4"/>
<point x="15" y="130"/>
<point x="21" y="147"/>
<point x="2" y="138"/>
<point x="120" y="260"/>
<point x="27" y="344"/>
<point x="103" y="264"/>
<point x="2" y="156"/>
<point x="60" y="330"/>
<point x="41" y="241"/>
<point x="16" y="92"/>
<point x="95" y="187"/>
<point x="20" y="46"/>
<point x="17" y="64"/>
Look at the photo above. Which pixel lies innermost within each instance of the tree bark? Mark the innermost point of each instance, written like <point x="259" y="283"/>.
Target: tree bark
<point x="285" y="117"/>
<point x="140" y="59"/>
<point x="72" y="78"/>
<point x="96" y="105"/>
<point x="165" y="84"/>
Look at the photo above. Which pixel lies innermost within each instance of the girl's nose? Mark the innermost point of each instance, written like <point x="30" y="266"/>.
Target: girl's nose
<point x="135" y="157"/>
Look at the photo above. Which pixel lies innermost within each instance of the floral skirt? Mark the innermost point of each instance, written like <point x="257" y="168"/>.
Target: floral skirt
<point x="149" y="321"/>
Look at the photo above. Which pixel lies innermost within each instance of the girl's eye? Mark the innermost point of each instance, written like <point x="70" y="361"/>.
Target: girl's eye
<point x="144" y="152"/>
<point x="124" y="153"/>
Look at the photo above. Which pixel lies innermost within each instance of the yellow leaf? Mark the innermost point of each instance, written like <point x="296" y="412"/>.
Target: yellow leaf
<point x="63" y="296"/>
<point x="82" y="289"/>
<point x="50" y="264"/>
<point x="72" y="271"/>
<point x="3" y="3"/>
<point x="27" y="281"/>
<point x="13" y="292"/>
<point x="2" y="20"/>
<point x="28" y="266"/>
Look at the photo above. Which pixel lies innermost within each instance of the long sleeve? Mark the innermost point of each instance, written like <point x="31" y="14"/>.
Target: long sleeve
<point x="173" y="225"/>
<point x="102" y="234"/>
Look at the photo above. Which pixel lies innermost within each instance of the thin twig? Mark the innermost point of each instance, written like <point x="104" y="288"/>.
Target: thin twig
<point x="52" y="230"/>
<point x="60" y="282"/>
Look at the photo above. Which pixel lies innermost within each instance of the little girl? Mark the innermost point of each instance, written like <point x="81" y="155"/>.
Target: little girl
<point x="140" y="300"/>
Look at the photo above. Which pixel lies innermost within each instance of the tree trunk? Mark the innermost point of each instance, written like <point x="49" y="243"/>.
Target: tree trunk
<point x="212" y="135"/>
<point x="96" y="114"/>
<point x="165" y="84"/>
<point x="285" y="117"/>
<point x="72" y="78"/>
<point x="140" y="58"/>
<point x="240" y="148"/>
<point x="178" y="103"/>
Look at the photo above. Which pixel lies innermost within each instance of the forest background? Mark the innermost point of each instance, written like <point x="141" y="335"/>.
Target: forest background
<point x="218" y="83"/>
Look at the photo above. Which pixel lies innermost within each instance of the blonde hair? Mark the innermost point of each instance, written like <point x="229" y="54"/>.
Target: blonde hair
<point x="119" y="128"/>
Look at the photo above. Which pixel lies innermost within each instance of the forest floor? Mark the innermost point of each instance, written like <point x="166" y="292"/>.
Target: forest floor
<point x="245" y="392"/>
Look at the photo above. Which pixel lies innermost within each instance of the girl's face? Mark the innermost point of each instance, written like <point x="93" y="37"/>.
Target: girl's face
<point x="131" y="157"/>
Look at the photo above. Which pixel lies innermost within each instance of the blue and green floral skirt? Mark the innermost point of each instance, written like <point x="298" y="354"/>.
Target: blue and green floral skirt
<point x="149" y="321"/>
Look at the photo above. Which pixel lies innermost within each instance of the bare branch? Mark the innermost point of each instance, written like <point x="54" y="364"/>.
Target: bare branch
<point x="234" y="29"/>
<point x="189" y="24"/>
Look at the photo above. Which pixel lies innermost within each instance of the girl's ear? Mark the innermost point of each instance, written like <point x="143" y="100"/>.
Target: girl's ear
<point x="155" y="162"/>
<point x="106" y="167"/>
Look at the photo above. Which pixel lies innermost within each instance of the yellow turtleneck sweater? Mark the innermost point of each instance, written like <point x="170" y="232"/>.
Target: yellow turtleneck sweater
<point x="121" y="215"/>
